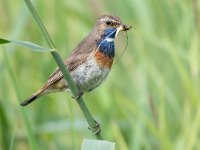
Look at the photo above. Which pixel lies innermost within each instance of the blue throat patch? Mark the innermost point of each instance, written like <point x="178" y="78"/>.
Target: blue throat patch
<point x="106" y="44"/>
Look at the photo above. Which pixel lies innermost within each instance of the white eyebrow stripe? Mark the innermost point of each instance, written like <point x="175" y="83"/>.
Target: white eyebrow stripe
<point x="106" y="19"/>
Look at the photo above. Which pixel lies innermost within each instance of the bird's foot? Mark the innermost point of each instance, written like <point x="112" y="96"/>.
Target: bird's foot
<point x="78" y="95"/>
<point x="96" y="129"/>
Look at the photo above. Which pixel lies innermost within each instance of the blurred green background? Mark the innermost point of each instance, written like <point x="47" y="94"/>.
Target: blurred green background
<point x="151" y="99"/>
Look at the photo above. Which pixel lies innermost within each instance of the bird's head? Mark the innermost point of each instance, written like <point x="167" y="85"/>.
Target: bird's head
<point x="109" y="25"/>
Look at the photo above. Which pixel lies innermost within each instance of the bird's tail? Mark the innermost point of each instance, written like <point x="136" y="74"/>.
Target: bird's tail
<point x="35" y="96"/>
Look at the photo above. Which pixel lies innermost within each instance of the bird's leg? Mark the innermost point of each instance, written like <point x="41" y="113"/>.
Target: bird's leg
<point x="96" y="127"/>
<point x="78" y="95"/>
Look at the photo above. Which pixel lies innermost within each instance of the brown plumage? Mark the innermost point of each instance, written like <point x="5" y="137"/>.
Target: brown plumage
<point x="78" y="57"/>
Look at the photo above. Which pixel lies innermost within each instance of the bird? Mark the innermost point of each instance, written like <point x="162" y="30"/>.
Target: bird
<point x="90" y="61"/>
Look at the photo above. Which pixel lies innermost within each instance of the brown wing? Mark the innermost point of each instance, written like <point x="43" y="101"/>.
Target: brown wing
<point x="75" y="59"/>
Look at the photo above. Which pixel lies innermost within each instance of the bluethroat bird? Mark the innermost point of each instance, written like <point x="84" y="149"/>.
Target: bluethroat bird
<point x="90" y="61"/>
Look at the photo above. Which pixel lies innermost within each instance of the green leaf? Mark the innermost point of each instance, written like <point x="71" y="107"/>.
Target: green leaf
<point x="25" y="44"/>
<point x="3" y="41"/>
<point x="89" y="144"/>
<point x="31" y="45"/>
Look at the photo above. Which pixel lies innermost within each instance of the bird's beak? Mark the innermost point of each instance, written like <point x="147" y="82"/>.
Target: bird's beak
<point x="122" y="27"/>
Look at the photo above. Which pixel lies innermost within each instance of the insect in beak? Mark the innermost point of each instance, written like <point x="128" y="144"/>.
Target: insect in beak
<point x="126" y="28"/>
<point x="122" y="28"/>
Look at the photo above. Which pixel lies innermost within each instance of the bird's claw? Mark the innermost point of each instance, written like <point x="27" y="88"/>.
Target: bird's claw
<point x="77" y="96"/>
<point x="96" y="127"/>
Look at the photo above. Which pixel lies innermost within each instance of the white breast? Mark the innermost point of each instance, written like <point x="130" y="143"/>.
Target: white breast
<point x="89" y="75"/>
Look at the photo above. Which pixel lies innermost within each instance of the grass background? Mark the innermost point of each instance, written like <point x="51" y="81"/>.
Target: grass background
<point x="150" y="100"/>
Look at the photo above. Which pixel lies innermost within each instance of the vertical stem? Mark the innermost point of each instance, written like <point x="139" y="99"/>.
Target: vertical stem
<point x="92" y="123"/>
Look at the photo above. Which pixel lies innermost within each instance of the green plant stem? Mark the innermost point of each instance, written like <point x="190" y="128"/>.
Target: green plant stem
<point x="92" y="123"/>
<point x="26" y="122"/>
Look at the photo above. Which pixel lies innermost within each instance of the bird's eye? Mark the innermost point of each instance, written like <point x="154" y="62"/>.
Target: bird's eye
<point x="108" y="22"/>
